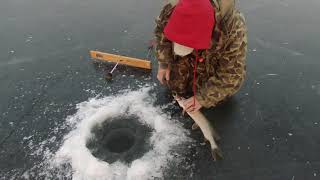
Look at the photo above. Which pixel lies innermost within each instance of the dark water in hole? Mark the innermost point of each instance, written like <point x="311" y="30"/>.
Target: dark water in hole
<point x="123" y="135"/>
<point x="120" y="138"/>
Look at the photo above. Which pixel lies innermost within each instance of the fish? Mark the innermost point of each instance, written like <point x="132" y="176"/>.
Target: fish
<point x="209" y="133"/>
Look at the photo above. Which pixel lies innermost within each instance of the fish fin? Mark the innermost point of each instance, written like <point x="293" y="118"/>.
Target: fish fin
<point x="195" y="126"/>
<point x="215" y="134"/>
<point x="216" y="154"/>
<point x="205" y="140"/>
<point x="183" y="112"/>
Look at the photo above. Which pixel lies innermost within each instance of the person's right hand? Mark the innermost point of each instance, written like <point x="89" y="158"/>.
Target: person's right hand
<point x="163" y="74"/>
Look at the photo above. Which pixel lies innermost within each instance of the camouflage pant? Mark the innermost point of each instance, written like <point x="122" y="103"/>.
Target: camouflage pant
<point x="181" y="76"/>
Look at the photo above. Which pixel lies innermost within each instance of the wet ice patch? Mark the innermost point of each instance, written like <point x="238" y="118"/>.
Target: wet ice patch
<point x="15" y="61"/>
<point x="316" y="88"/>
<point x="166" y="135"/>
<point x="270" y="45"/>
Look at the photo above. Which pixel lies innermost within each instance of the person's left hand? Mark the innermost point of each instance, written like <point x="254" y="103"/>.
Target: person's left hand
<point x="188" y="104"/>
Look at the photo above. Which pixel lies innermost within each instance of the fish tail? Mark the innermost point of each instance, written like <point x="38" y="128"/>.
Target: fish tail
<point x="216" y="154"/>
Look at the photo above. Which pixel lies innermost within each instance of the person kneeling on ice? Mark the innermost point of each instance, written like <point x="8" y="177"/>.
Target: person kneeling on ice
<point x="201" y="47"/>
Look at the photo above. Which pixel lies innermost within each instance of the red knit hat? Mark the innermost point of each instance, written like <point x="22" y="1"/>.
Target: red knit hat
<point x="191" y="24"/>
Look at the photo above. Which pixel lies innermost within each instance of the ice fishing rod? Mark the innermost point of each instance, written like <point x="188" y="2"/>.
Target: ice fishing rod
<point x="118" y="59"/>
<point x="123" y="60"/>
<point x="109" y="75"/>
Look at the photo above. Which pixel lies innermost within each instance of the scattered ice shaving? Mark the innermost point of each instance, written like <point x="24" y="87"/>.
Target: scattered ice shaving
<point x="272" y="74"/>
<point x="166" y="135"/>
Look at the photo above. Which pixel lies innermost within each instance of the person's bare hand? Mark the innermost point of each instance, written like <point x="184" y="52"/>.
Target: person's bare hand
<point x="163" y="74"/>
<point x="190" y="107"/>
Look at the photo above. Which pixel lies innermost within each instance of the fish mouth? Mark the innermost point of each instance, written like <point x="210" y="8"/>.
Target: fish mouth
<point x="122" y="138"/>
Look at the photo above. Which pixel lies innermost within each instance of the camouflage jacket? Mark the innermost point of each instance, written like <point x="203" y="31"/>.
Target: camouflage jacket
<point x="225" y="60"/>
